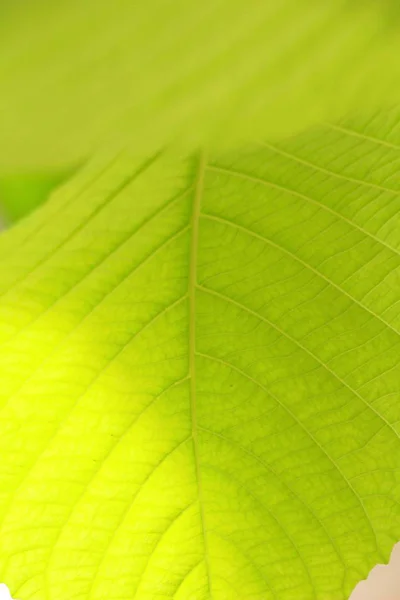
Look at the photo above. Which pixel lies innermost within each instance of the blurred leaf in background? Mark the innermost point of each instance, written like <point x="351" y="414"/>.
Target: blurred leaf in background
<point x="21" y="194"/>
<point x="76" y="74"/>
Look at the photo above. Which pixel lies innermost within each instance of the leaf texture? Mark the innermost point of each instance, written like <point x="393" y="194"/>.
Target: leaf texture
<point x="200" y="374"/>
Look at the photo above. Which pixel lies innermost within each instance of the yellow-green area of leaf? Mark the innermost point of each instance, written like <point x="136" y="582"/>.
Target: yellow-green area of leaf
<point x="75" y="74"/>
<point x="199" y="364"/>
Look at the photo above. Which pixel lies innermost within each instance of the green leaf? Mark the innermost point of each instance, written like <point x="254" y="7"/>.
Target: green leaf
<point x="74" y="75"/>
<point x="199" y="363"/>
<point x="21" y="194"/>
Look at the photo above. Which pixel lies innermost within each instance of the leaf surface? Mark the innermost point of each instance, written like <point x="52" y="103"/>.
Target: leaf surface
<point x="200" y="374"/>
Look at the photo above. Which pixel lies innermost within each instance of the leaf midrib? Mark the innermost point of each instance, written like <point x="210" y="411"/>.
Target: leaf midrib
<point x="192" y="287"/>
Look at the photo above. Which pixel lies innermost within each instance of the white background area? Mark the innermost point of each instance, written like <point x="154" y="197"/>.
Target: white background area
<point x="383" y="582"/>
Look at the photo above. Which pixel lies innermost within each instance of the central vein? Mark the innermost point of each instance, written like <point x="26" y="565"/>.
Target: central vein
<point x="192" y="345"/>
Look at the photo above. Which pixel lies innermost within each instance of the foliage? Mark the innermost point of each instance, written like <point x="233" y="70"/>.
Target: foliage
<point x="199" y="349"/>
